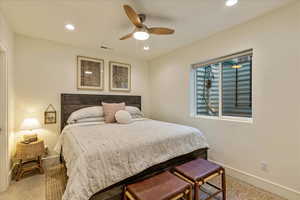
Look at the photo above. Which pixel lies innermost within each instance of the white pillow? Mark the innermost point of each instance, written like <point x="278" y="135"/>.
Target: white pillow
<point x="123" y="117"/>
<point x="94" y="111"/>
<point x="135" y="112"/>
<point x="90" y="119"/>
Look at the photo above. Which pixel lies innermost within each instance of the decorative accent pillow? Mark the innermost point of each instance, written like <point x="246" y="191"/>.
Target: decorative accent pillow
<point x="135" y="112"/>
<point x="123" y="117"/>
<point x="110" y="110"/>
<point x="88" y="112"/>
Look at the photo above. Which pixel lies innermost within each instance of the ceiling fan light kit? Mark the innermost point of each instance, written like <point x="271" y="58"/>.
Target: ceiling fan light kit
<point x="142" y="32"/>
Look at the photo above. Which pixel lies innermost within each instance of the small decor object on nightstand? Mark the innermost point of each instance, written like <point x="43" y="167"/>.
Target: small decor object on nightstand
<point x="28" y="138"/>
<point x="29" y="157"/>
<point x="50" y="115"/>
<point x="30" y="124"/>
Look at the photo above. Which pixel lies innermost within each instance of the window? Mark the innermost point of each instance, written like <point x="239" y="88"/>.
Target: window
<point x="223" y="86"/>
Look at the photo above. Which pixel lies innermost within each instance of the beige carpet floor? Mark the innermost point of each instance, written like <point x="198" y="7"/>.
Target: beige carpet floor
<point x="56" y="180"/>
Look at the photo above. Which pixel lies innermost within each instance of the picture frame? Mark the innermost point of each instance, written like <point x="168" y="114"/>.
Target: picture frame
<point x="119" y="76"/>
<point x="90" y="73"/>
<point x="50" y="115"/>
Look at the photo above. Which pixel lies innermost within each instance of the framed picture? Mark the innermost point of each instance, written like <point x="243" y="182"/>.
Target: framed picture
<point x="50" y="115"/>
<point x="119" y="76"/>
<point x="90" y="73"/>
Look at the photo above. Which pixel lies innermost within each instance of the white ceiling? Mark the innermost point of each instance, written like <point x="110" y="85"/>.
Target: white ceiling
<point x="104" y="21"/>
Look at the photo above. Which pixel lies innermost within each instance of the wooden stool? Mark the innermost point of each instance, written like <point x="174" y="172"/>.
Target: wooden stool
<point x="164" y="186"/>
<point x="199" y="172"/>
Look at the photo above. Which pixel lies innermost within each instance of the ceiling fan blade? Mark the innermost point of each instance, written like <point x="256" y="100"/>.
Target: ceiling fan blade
<point x="126" y="36"/>
<point x="133" y="17"/>
<point x="161" y="31"/>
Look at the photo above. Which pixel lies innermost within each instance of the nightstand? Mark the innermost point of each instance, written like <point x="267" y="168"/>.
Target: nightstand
<point x="29" y="157"/>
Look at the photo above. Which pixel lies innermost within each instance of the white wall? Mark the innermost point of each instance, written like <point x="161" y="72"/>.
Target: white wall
<point x="7" y="41"/>
<point x="46" y="69"/>
<point x="274" y="136"/>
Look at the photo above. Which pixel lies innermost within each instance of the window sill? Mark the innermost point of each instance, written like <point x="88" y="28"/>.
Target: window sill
<point x="225" y="118"/>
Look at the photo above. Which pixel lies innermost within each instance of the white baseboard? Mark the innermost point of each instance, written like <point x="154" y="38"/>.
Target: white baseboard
<point x="265" y="184"/>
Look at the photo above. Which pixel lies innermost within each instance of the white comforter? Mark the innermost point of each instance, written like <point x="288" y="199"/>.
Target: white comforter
<point x="98" y="155"/>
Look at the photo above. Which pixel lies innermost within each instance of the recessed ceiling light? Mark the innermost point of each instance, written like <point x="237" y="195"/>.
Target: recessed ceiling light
<point x="230" y="3"/>
<point x="70" y="27"/>
<point x="146" y="48"/>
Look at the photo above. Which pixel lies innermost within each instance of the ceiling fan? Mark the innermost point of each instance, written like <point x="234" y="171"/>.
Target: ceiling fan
<point x="141" y="31"/>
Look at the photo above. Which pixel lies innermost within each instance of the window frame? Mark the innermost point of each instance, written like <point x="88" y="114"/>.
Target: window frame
<point x="194" y="92"/>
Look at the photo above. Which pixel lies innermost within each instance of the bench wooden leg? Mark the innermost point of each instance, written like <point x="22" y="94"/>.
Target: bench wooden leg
<point x="124" y="194"/>
<point x="196" y="191"/>
<point x="223" y="185"/>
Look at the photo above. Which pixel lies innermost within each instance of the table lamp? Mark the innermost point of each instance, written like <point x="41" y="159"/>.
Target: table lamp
<point x="30" y="124"/>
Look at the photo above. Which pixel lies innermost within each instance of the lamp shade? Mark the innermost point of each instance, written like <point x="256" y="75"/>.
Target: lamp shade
<point x="30" y="124"/>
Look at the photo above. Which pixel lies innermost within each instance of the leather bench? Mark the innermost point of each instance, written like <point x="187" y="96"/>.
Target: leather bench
<point x="198" y="172"/>
<point x="164" y="186"/>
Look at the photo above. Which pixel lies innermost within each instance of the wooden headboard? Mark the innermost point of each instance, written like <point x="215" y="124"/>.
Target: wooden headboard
<point x="73" y="102"/>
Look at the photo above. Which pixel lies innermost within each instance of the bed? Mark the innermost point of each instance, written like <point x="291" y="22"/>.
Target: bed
<point x="100" y="164"/>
